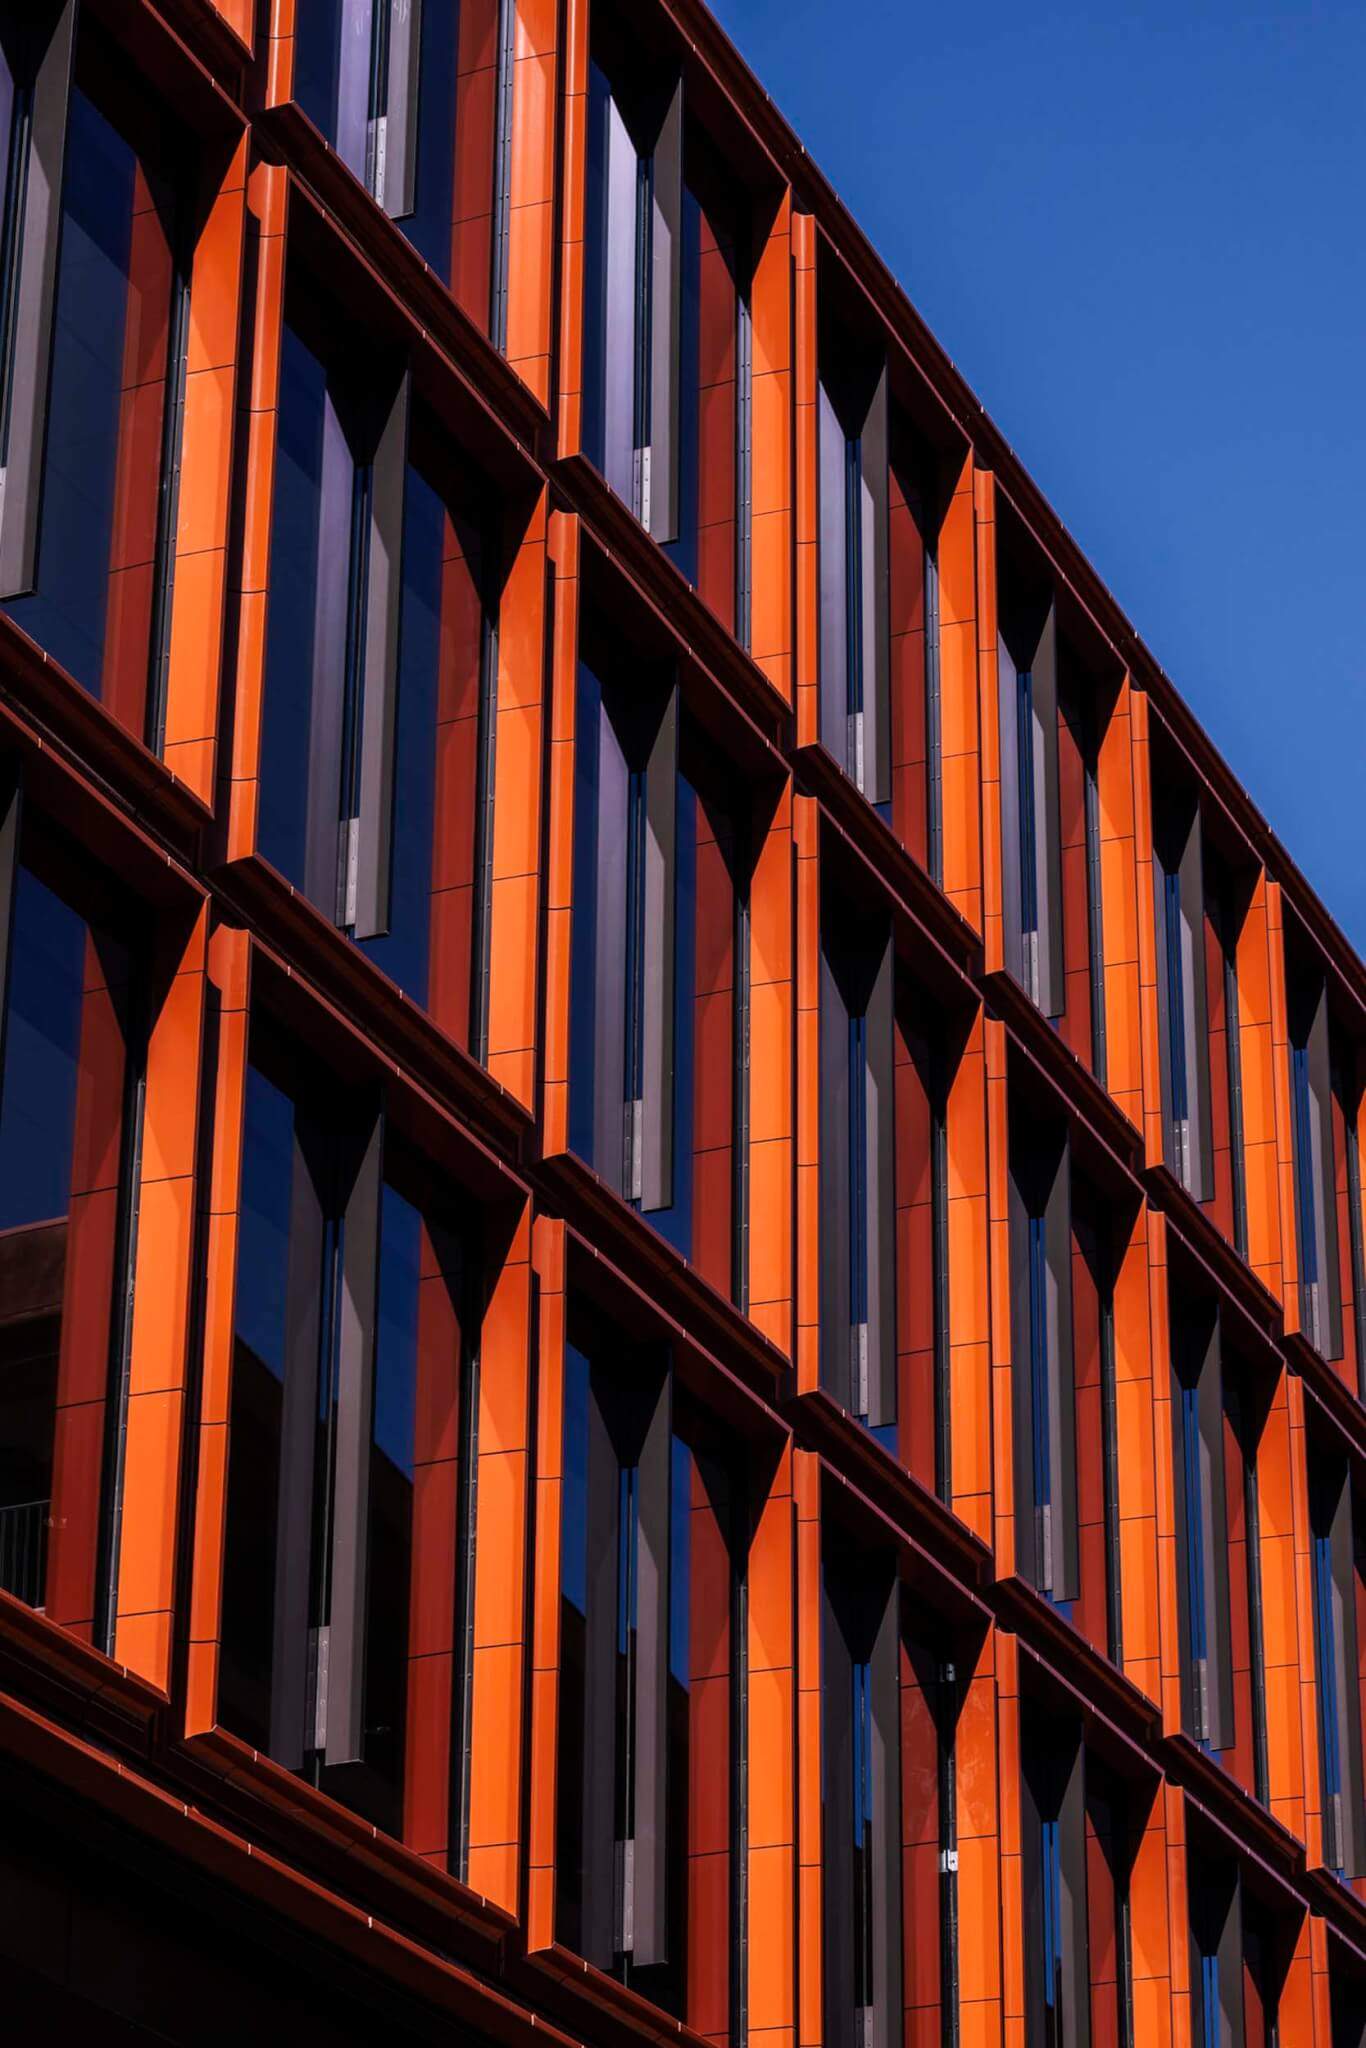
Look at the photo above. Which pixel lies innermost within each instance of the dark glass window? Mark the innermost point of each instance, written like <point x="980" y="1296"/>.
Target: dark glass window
<point x="95" y="594"/>
<point x="1042" y="1347"/>
<point x="379" y="79"/>
<point x="1031" y="850"/>
<point x="68" y="1126"/>
<point x="1182" y="980"/>
<point x="858" y="1159"/>
<point x="652" y="1512"/>
<point x="861" y="1795"/>
<point x="380" y="677"/>
<point x="350" y="1363"/>
<point x="1198" y="1437"/>
<point x="1336" y="1565"/>
<point x="1053" y="1830"/>
<point x="855" y="616"/>
<point x="660" y="881"/>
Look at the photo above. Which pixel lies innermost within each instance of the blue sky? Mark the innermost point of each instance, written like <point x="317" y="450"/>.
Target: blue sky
<point x="1137" y="228"/>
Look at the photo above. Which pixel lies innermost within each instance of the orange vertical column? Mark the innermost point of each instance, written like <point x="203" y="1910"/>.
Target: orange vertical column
<point x="1285" y="1130"/>
<point x="1169" y="1633"/>
<point x="229" y="980"/>
<point x="991" y="924"/>
<point x="1283" y="1590"/>
<point x="1136" y="1468"/>
<point x="500" y="1553"/>
<point x="810" y="1900"/>
<point x="774" y="1758"/>
<point x="267" y="208"/>
<point x="573" y="210"/>
<point x="476" y="146"/>
<point x="773" y="1053"/>
<point x="559" y="881"/>
<point x="1306" y="1722"/>
<point x="967" y="588"/>
<point x="548" y="1250"/>
<point x="1150" y="1926"/>
<point x="199" y="603"/>
<point x="279" y="49"/>
<point x="1124" y="1017"/>
<point x="531" y="214"/>
<point x="998" y="1233"/>
<point x="806" y="365"/>
<point x="1261" y="1171"/>
<point x="159" y="1363"/>
<point x="771" y="497"/>
<point x="519" y="751"/>
<point x="1147" y="929"/>
<point x="1178" y="1920"/>
<point x="969" y="1241"/>
<point x="806" y="823"/>
<point x="990" y="1926"/>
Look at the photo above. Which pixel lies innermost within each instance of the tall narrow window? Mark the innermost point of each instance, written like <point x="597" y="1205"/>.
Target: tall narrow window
<point x="1109" y="1858"/>
<point x="1226" y="920"/>
<point x="633" y="295"/>
<point x="1202" y="1521"/>
<point x="1214" y="1889"/>
<point x="93" y="336"/>
<point x="656" y="988"/>
<point x="378" y="78"/>
<point x="1053" y="1849"/>
<point x="861" y="1798"/>
<point x="35" y="71"/>
<point x="1027" y="667"/>
<point x="1351" y="1099"/>
<point x="855" y="717"/>
<point x="69" y="1130"/>
<point x="647" y="1711"/>
<point x="1183" y="1016"/>
<point x="350" y="1367"/>
<point x="1337" y="1671"/>
<point x="1316" y="1210"/>
<point x="857" y="1162"/>
<point x="1042" y="1355"/>
<point x="379" y="718"/>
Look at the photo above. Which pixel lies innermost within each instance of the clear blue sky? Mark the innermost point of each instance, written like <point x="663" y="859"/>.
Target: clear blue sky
<point x="1138" y="230"/>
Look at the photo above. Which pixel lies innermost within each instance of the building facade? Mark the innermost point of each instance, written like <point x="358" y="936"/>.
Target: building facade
<point x="682" y="1297"/>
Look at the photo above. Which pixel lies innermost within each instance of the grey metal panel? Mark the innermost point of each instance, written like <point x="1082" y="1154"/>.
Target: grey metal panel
<point x="881" y="1153"/>
<point x="835" y="1186"/>
<point x="1012" y="921"/>
<point x="323" y="871"/>
<point x="600" y="1707"/>
<point x="289" y="1690"/>
<point x="1214" y="1564"/>
<point x="885" y="1685"/>
<point x="666" y="314"/>
<point x="1076" y="1954"/>
<point x="1327" y="1319"/>
<point x="620" y="310"/>
<point x="650" y="1891"/>
<point x="1062" y="1420"/>
<point x="47" y="41"/>
<point x="353" y="84"/>
<point x="837" y="1807"/>
<point x="661" y="822"/>
<point x="834" y="581"/>
<point x="877" y="618"/>
<point x="397" y="193"/>
<point x="1022" y="1384"/>
<point x="609" y="1046"/>
<point x="1352" y="1817"/>
<point x="383" y="610"/>
<point x="1051" y="995"/>
<point x="353" y="1430"/>
<point x="1195" y="1023"/>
